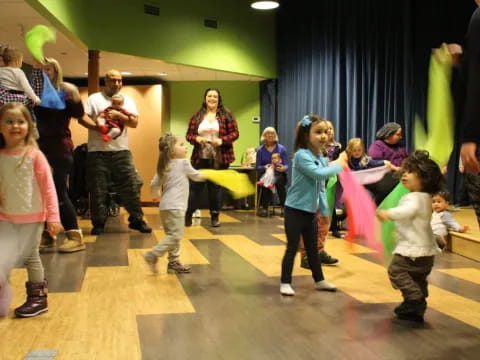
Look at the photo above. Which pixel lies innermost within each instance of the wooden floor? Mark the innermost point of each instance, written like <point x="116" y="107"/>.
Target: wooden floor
<point x="105" y="305"/>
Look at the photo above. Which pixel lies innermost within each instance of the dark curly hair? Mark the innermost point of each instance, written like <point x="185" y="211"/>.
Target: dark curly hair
<point x="427" y="170"/>
<point x="443" y="194"/>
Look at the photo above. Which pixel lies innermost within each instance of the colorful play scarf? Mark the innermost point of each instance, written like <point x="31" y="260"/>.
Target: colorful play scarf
<point x="237" y="183"/>
<point x="360" y="210"/>
<point x="36" y="38"/>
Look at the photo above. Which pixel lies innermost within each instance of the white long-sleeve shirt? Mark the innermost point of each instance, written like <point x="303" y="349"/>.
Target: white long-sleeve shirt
<point x="15" y="79"/>
<point x="413" y="231"/>
<point x="174" y="184"/>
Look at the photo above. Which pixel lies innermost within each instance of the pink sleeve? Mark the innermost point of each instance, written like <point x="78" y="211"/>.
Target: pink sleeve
<point x="43" y="174"/>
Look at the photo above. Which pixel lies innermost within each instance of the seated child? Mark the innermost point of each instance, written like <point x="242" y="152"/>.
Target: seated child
<point x="111" y="128"/>
<point x="442" y="220"/>
<point x="271" y="175"/>
<point x="359" y="160"/>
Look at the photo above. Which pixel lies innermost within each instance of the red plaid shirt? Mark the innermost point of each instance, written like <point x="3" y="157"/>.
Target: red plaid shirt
<point x="227" y="131"/>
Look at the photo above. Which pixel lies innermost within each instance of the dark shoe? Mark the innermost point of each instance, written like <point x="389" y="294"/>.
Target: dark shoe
<point x="36" y="303"/>
<point x="140" y="225"/>
<point x="411" y="317"/>
<point x="412" y="310"/>
<point x="326" y="259"/>
<point x="188" y="220"/>
<point x="214" y="219"/>
<point x="262" y="212"/>
<point x="304" y="262"/>
<point x="338" y="234"/>
<point x="97" y="230"/>
<point x="178" y="268"/>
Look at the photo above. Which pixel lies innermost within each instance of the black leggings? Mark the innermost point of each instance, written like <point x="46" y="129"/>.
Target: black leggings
<point x="61" y="168"/>
<point x="298" y="222"/>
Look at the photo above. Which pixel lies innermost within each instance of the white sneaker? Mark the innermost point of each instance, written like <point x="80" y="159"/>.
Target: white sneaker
<point x="325" y="285"/>
<point x="197" y="213"/>
<point x="286" y="289"/>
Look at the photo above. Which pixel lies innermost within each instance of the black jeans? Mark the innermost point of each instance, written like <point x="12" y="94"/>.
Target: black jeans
<point x="196" y="188"/>
<point x="298" y="222"/>
<point x="61" y="169"/>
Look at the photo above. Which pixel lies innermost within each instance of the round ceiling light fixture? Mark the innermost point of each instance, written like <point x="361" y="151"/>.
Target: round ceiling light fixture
<point x="264" y="5"/>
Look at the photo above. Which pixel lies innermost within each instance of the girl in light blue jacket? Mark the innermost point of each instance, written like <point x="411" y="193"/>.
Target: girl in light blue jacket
<point x="306" y="196"/>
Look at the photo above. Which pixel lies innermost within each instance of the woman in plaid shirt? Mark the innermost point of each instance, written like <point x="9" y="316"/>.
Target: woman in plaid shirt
<point x="212" y="131"/>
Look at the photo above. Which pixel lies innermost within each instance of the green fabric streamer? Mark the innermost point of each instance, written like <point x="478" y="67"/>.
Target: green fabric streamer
<point x="36" y="38"/>
<point x="388" y="226"/>
<point x="439" y="141"/>
<point x="331" y="189"/>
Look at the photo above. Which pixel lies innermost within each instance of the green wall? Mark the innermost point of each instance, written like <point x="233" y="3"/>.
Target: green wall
<point x="242" y="98"/>
<point x="244" y="41"/>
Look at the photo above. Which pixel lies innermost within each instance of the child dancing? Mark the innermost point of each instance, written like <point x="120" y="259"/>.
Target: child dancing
<point x="416" y="246"/>
<point x="173" y="172"/>
<point x="27" y="200"/>
<point x="305" y="196"/>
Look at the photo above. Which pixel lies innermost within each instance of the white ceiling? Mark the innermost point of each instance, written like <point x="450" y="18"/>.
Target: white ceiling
<point x="17" y="17"/>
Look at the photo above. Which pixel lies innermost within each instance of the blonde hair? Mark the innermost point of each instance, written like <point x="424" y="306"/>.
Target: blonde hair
<point x="352" y="143"/>
<point x="30" y="137"/>
<point x="58" y="72"/>
<point x="10" y="54"/>
<point x="267" y="130"/>
<point x="166" y="146"/>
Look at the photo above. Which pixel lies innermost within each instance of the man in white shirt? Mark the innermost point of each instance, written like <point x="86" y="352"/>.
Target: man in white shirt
<point x="111" y="162"/>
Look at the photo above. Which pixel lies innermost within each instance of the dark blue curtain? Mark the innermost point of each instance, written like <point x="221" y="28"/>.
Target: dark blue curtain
<point x="357" y="63"/>
<point x="268" y="108"/>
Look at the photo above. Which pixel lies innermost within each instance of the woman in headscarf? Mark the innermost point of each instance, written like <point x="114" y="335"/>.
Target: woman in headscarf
<point x="387" y="147"/>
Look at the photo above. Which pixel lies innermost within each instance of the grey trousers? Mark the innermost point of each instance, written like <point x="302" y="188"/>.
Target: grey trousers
<point x="410" y="276"/>
<point x="173" y="224"/>
<point x="19" y="246"/>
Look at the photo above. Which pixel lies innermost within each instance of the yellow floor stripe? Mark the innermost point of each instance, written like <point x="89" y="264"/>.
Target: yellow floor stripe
<point x="362" y="279"/>
<point x="454" y="305"/>
<point x="99" y="322"/>
<point x="469" y="274"/>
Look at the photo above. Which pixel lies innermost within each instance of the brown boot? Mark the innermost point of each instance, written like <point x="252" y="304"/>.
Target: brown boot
<point x="73" y="242"/>
<point x="47" y="242"/>
<point x="36" y="303"/>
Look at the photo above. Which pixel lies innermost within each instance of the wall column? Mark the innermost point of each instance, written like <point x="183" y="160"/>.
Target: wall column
<point x="93" y="71"/>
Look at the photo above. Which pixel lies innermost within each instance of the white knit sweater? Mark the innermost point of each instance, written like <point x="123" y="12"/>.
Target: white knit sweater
<point x="412" y="226"/>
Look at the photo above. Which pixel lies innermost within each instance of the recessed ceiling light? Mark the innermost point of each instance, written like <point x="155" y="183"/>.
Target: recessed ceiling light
<point x="126" y="73"/>
<point x="264" y="5"/>
<point x="162" y="74"/>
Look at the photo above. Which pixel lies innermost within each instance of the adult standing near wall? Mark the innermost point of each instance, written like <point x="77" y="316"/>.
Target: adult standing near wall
<point x="112" y="161"/>
<point x="270" y="145"/>
<point x="212" y="131"/>
<point x="55" y="141"/>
